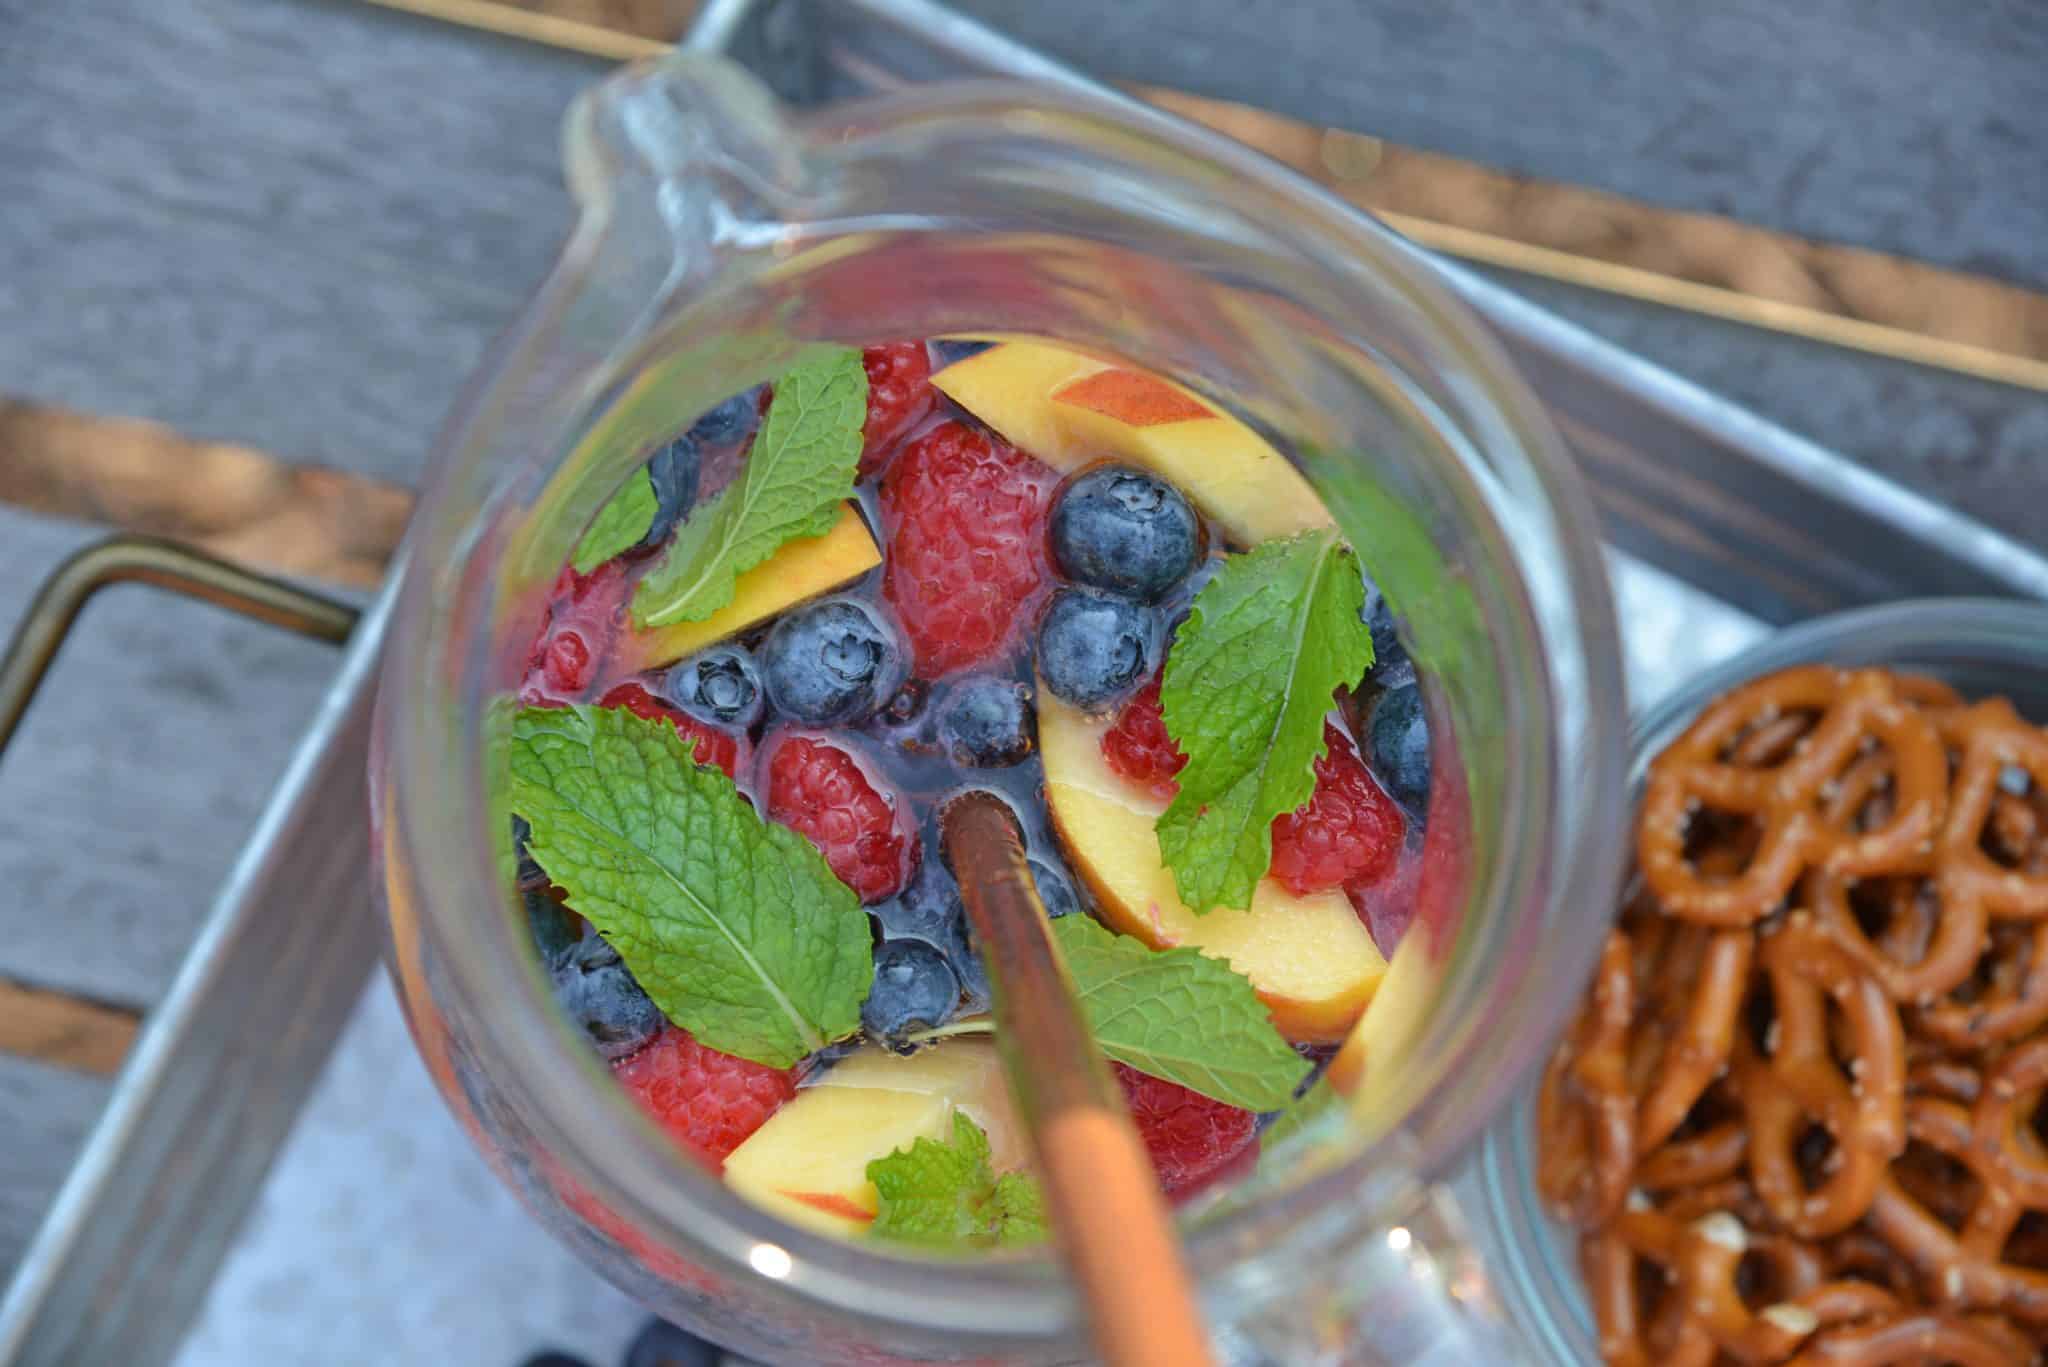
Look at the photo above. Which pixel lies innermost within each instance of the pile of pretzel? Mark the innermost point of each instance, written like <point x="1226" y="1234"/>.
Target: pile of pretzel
<point x="1796" y="1120"/>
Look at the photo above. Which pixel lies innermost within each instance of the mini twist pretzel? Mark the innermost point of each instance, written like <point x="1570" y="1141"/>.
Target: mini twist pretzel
<point x="2014" y="1001"/>
<point x="1632" y="1333"/>
<point x="2001" y="1123"/>
<point x="1991" y="737"/>
<point x="1800" y="1083"/>
<point x="1962" y="1269"/>
<point x="1942" y="961"/>
<point x="1783" y="799"/>
<point x="1585" y="1104"/>
<point x="1696" y="1051"/>
<point x="1909" y="1340"/>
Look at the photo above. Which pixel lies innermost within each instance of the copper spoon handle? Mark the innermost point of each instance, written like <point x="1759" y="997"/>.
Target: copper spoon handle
<point x="1106" y="1207"/>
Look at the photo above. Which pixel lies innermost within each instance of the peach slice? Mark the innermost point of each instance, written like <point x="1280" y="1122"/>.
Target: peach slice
<point x="809" y="1163"/>
<point x="798" y="571"/>
<point x="1070" y="410"/>
<point x="1309" y="958"/>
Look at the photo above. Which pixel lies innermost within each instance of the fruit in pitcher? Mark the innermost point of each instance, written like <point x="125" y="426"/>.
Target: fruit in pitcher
<point x="1348" y="832"/>
<point x="708" y="1102"/>
<point x="1191" y="1139"/>
<point x="899" y="394"/>
<point x="1121" y="529"/>
<point x="674" y="472"/>
<point x="601" y="999"/>
<point x="711" y="746"/>
<point x="1400" y="745"/>
<point x="1138" y="747"/>
<point x="801" y="570"/>
<point x="965" y="515"/>
<point x="987" y="723"/>
<point x="1070" y="410"/>
<point x="821" y="792"/>
<point x="915" y="989"/>
<point x="722" y="686"/>
<point x="834" y="661"/>
<point x="1309" y="958"/>
<point x="809" y="1162"/>
<point x="1094" y="646"/>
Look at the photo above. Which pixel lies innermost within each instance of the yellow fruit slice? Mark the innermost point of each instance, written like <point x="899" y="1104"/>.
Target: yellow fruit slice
<point x="1309" y="958"/>
<point x="798" y="571"/>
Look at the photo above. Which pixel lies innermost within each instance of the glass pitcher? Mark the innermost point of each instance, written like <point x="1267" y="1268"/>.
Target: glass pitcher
<point x="719" y="234"/>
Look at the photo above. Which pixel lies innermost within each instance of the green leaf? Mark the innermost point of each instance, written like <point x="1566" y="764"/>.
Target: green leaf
<point x="734" y="926"/>
<point x="1249" y="679"/>
<point x="621" y="524"/>
<point x="801" y="468"/>
<point x="945" y="1195"/>
<point x="1180" y="1015"/>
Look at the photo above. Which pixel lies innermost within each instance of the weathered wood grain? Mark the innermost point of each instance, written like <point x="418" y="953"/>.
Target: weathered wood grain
<point x="63" y="1030"/>
<point x="48" y="1111"/>
<point x="238" y="503"/>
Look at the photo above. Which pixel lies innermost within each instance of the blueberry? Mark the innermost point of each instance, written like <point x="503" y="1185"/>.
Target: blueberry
<point x="601" y="998"/>
<point x="730" y="421"/>
<point x="1400" y="745"/>
<point x="673" y="471"/>
<point x="988" y="723"/>
<point x="720" y="686"/>
<point x="830" y="662"/>
<point x="1120" y="529"/>
<point x="1055" y="889"/>
<point x="915" y="989"/>
<point x="946" y="350"/>
<point x="530" y="874"/>
<point x="661" y="1344"/>
<point x="1390" y="664"/>
<point x="928" y="910"/>
<point x="1094" y="646"/>
<point x="554" y="930"/>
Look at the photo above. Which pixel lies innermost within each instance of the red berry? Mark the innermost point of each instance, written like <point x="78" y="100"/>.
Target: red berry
<point x="1348" y="831"/>
<point x="1193" y="1140"/>
<point x="712" y="745"/>
<point x="966" y="513"/>
<point x="820" y="792"/>
<point x="707" y="1101"/>
<point x="899" y="393"/>
<point x="1137" y="746"/>
<point x="583" y="618"/>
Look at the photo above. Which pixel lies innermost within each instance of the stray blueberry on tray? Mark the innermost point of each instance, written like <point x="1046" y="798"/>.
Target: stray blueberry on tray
<point x="915" y="989"/>
<point x="987" y="723"/>
<point x="601" y="998"/>
<point x="673" y="471"/>
<point x="1095" y="646"/>
<point x="721" y="686"/>
<point x="1121" y="529"/>
<point x="830" y="662"/>
<point x="1400" y="745"/>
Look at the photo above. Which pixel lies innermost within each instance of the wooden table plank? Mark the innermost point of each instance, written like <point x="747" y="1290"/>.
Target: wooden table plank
<point x="48" y="1111"/>
<point x="63" y="1030"/>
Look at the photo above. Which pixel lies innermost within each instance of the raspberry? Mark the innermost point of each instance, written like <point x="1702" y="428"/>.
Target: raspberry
<point x="1137" y="746"/>
<point x="1348" y="831"/>
<point x="899" y="393"/>
<point x="707" y="1101"/>
<point x="966" y="513"/>
<point x="820" y="792"/>
<point x="712" y="745"/>
<point x="583" y="618"/>
<point x="1192" y="1139"/>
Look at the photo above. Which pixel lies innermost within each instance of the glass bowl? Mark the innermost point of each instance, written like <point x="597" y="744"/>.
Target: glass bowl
<point x="1983" y="647"/>
<point x="719" y="234"/>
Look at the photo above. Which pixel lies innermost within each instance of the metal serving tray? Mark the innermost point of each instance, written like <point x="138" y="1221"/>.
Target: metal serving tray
<point x="1765" y="527"/>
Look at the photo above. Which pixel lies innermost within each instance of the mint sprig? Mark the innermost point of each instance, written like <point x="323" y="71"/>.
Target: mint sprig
<point x="946" y="1195"/>
<point x="621" y="524"/>
<point x="1180" y="1015"/>
<point x="801" y="468"/>
<point x="1248" y="681"/>
<point x="735" y="926"/>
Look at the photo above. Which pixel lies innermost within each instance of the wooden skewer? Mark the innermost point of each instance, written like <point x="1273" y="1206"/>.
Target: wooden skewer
<point x="1107" y="1211"/>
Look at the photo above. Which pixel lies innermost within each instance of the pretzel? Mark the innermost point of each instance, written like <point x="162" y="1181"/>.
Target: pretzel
<point x="1860" y="1255"/>
<point x="1911" y="1340"/>
<point x="1633" y="1334"/>
<point x="1783" y="799"/>
<point x="1800" y="1082"/>
<point x="1991" y="737"/>
<point x="2013" y="1001"/>
<point x="1585" y="1099"/>
<point x="1930" y="948"/>
<point x="1695" y="1052"/>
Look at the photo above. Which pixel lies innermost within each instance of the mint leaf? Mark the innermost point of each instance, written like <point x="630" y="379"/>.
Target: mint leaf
<point x="735" y="926"/>
<point x="1180" y="1015"/>
<point x="801" y="468"/>
<point x="621" y="524"/>
<point x="1248" y="681"/>
<point x="946" y="1195"/>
